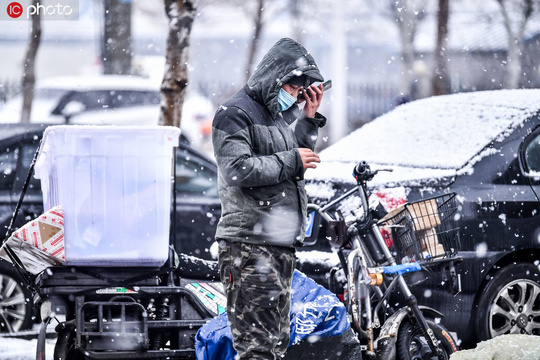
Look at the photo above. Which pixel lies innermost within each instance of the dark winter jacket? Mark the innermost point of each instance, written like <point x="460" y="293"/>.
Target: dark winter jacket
<point x="260" y="181"/>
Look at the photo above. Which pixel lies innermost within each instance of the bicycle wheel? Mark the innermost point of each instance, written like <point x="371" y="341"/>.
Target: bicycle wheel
<point x="362" y="294"/>
<point x="413" y="345"/>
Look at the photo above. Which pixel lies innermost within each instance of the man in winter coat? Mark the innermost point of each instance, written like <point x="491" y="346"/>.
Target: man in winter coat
<point x="261" y="162"/>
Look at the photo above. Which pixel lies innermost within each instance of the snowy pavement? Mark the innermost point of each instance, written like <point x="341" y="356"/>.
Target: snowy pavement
<point x="518" y="347"/>
<point x="504" y="347"/>
<point x="20" y="349"/>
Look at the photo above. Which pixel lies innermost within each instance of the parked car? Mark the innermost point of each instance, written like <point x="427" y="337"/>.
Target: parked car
<point x="485" y="147"/>
<point x="106" y="99"/>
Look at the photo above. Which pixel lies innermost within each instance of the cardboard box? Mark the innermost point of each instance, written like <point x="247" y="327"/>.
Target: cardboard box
<point x="392" y="213"/>
<point x="425" y="214"/>
<point x="430" y="242"/>
<point x="40" y="243"/>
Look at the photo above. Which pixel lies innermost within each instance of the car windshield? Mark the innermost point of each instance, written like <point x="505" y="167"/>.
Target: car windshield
<point x="52" y="95"/>
<point x="443" y="132"/>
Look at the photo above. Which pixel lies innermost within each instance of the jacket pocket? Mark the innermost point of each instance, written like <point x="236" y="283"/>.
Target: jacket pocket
<point x="265" y="193"/>
<point x="271" y="201"/>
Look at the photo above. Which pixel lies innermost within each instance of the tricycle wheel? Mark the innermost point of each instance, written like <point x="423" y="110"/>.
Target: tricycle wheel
<point x="16" y="306"/>
<point x="65" y="348"/>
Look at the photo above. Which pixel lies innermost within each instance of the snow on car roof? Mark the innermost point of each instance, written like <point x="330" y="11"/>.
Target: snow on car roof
<point x="98" y="82"/>
<point x="429" y="138"/>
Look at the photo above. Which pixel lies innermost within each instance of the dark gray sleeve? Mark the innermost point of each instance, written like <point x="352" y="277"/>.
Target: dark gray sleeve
<point x="307" y="130"/>
<point x="232" y="142"/>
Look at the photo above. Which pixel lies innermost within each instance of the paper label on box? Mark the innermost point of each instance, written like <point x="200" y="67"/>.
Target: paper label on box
<point x="45" y="233"/>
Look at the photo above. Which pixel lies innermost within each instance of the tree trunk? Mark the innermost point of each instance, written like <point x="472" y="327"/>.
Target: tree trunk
<point x="297" y="25"/>
<point x="406" y="21"/>
<point x="116" y="49"/>
<point x="440" y="81"/>
<point x="29" y="74"/>
<point x="513" y="62"/>
<point x="181" y="14"/>
<point x="515" y="40"/>
<point x="257" y="30"/>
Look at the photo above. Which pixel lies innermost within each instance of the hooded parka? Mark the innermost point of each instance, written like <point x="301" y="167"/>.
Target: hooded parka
<point x="261" y="175"/>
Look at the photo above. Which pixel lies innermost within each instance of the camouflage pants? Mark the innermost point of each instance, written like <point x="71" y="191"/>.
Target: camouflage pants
<point x="257" y="280"/>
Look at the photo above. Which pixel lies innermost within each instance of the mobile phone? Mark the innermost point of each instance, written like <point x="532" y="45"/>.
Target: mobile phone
<point x="325" y="86"/>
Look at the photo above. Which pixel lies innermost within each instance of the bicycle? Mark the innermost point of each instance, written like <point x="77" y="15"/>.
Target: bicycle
<point x="376" y="250"/>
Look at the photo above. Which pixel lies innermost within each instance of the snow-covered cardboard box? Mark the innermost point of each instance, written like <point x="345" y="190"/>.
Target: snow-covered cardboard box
<point x="40" y="243"/>
<point x="114" y="183"/>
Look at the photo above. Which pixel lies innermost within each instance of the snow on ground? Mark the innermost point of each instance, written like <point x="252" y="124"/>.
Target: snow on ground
<point x="20" y="349"/>
<point x="504" y="347"/>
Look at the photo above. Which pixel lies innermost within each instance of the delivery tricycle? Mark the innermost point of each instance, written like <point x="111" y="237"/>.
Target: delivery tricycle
<point x="98" y="260"/>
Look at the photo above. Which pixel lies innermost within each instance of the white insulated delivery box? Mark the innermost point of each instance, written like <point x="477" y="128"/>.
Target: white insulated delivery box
<point x="114" y="184"/>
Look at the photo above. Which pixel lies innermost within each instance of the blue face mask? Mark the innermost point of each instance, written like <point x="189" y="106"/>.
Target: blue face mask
<point x="285" y="100"/>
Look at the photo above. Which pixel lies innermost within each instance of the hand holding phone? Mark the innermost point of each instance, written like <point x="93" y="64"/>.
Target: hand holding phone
<point x="326" y="85"/>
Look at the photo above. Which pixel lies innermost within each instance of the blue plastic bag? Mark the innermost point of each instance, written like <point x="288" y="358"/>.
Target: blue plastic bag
<point x="315" y="311"/>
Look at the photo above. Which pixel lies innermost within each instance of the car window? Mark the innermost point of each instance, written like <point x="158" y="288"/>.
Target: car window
<point x="193" y="177"/>
<point x="10" y="174"/>
<point x="124" y="98"/>
<point x="92" y="100"/>
<point x="8" y="165"/>
<point x="28" y="152"/>
<point x="53" y="95"/>
<point x="532" y="155"/>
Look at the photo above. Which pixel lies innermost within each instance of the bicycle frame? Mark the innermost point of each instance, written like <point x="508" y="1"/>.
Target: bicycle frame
<point x="367" y="275"/>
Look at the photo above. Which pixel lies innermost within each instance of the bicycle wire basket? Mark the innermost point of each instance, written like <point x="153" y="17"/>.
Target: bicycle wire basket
<point x="424" y="230"/>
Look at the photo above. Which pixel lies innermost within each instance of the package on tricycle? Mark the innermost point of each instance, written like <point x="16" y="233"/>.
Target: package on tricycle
<point x="40" y="243"/>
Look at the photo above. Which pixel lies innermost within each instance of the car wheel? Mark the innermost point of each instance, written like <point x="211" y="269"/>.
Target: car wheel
<point x="16" y="306"/>
<point x="510" y="303"/>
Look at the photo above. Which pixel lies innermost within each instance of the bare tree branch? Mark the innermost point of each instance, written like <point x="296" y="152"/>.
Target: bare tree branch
<point x="407" y="13"/>
<point x="516" y="15"/>
<point x="258" y="25"/>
